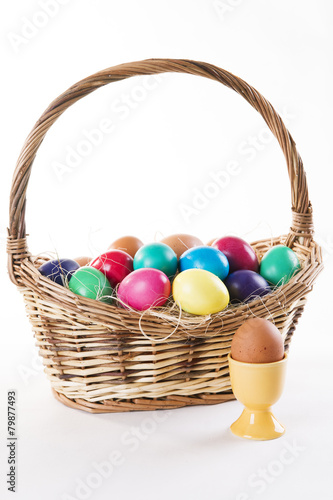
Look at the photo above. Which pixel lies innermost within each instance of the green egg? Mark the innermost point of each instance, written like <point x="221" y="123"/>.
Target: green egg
<point x="279" y="265"/>
<point x="92" y="284"/>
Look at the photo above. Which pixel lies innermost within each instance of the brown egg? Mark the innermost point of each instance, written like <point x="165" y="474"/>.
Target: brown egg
<point x="181" y="242"/>
<point x="257" y="341"/>
<point x="129" y="244"/>
<point x="83" y="260"/>
<point x="209" y="244"/>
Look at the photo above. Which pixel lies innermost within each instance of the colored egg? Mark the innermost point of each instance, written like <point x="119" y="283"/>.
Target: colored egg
<point x="91" y="283"/>
<point x="59" y="270"/>
<point x="181" y="242"/>
<point x="144" y="288"/>
<point x="129" y="244"/>
<point x="245" y="285"/>
<point x="211" y="242"/>
<point x="204" y="257"/>
<point x="115" y="264"/>
<point x="200" y="292"/>
<point x="279" y="265"/>
<point x="257" y="340"/>
<point x="83" y="260"/>
<point x="158" y="256"/>
<point x="238" y="252"/>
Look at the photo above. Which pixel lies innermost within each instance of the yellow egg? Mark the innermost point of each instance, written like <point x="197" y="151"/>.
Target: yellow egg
<point x="200" y="292"/>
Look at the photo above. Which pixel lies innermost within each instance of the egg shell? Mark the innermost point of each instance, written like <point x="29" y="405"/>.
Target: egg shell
<point x="211" y="242"/>
<point x="239" y="253"/>
<point x="144" y="288"/>
<point x="279" y="265"/>
<point x="158" y="256"/>
<point x="257" y="340"/>
<point x="59" y="270"/>
<point x="205" y="257"/>
<point x="245" y="285"/>
<point x="181" y="242"/>
<point x="200" y="292"/>
<point x="92" y="284"/>
<point x="83" y="260"/>
<point x="115" y="264"/>
<point x="128" y="244"/>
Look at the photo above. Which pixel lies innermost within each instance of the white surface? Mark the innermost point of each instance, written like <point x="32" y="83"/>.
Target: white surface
<point x="180" y="132"/>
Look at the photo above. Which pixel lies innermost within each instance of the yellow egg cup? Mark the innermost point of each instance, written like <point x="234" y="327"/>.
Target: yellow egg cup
<point x="258" y="386"/>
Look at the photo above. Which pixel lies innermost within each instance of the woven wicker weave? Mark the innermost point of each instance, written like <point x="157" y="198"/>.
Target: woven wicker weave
<point x="102" y="358"/>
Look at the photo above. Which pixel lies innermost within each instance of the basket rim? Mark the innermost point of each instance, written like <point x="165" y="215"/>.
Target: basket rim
<point x="113" y="317"/>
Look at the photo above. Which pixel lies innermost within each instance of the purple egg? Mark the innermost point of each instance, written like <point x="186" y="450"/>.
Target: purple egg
<point x="245" y="285"/>
<point x="59" y="270"/>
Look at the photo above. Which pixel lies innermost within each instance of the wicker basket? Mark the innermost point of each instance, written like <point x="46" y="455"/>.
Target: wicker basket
<point x="96" y="356"/>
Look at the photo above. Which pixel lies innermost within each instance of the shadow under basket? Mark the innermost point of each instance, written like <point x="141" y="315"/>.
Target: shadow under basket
<point x="102" y="358"/>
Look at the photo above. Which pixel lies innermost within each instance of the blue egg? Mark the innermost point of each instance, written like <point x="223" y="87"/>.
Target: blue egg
<point x="59" y="270"/>
<point x="207" y="258"/>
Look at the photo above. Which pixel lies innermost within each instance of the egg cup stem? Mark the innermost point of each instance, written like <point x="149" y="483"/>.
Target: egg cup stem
<point x="257" y="424"/>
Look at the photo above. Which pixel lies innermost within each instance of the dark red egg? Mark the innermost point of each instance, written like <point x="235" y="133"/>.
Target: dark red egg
<point x="115" y="264"/>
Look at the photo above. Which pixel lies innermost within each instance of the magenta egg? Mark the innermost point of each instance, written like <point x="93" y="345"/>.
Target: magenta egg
<point x="144" y="288"/>
<point x="239" y="253"/>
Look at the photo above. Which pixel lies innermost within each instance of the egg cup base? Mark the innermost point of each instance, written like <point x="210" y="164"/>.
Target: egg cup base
<point x="257" y="424"/>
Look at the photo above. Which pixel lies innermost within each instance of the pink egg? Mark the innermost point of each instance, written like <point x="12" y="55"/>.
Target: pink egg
<point x="144" y="288"/>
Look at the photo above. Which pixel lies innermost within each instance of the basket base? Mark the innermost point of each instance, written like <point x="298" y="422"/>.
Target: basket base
<point x="144" y="404"/>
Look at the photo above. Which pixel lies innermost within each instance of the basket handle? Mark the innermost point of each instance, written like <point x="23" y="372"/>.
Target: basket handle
<point x="302" y="226"/>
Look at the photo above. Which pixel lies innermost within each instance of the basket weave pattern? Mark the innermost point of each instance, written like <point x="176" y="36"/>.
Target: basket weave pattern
<point x="103" y="358"/>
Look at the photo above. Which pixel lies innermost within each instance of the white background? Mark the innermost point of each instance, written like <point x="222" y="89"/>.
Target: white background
<point x="164" y="146"/>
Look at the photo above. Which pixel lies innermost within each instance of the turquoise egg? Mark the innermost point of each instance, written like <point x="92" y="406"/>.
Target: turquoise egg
<point x="157" y="256"/>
